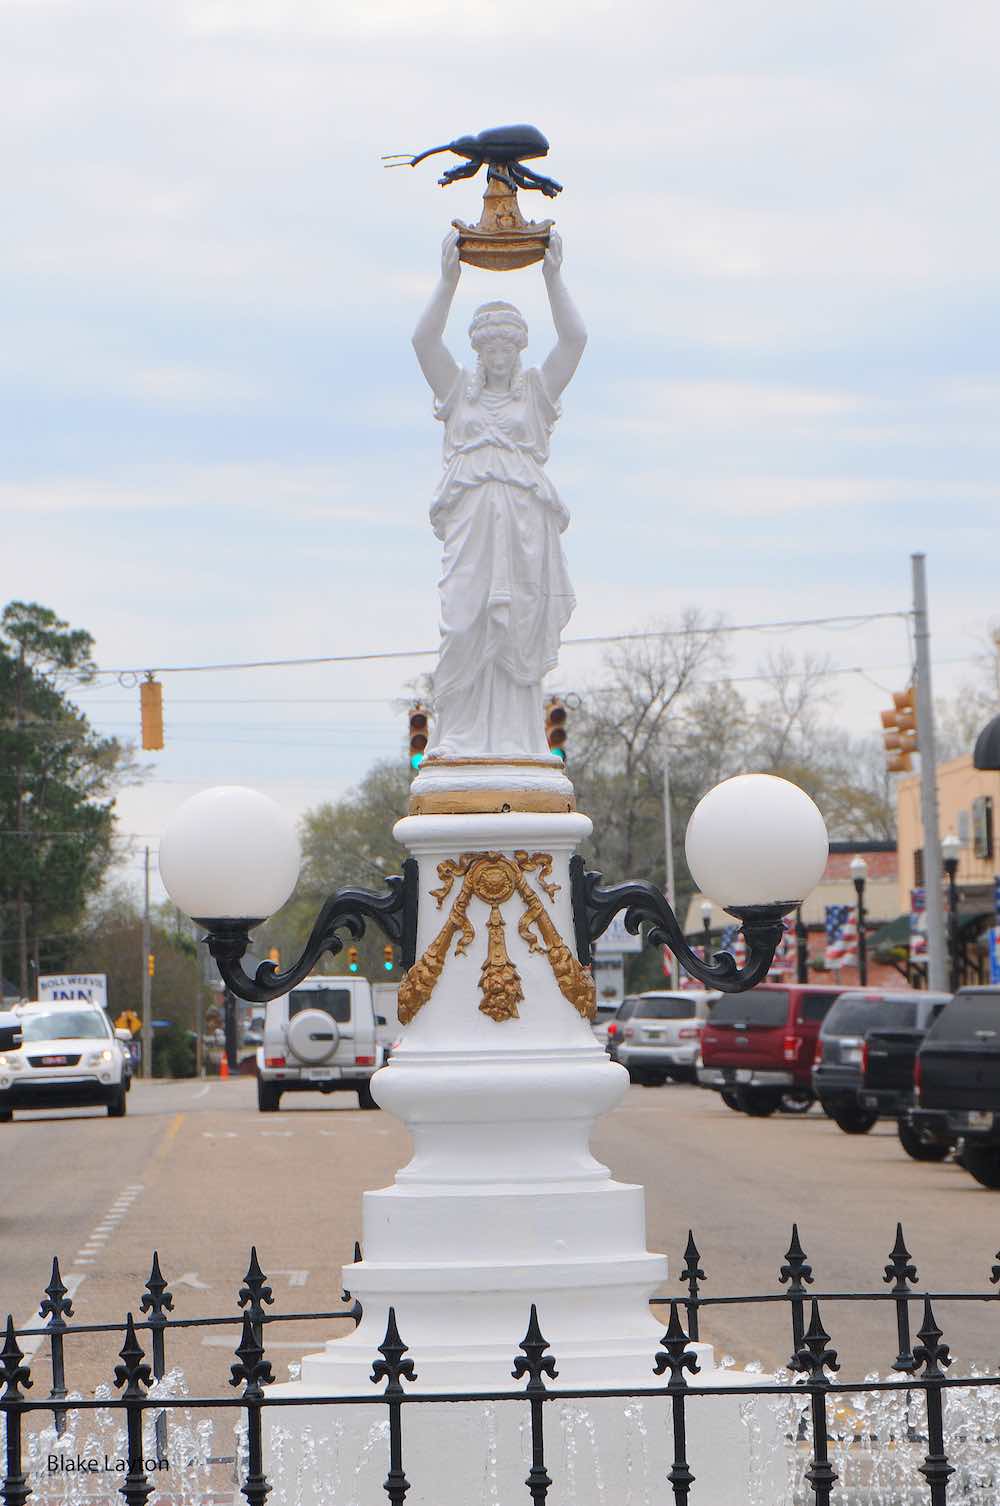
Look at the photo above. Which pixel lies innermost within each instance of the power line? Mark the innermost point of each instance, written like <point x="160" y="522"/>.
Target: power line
<point x="853" y="619"/>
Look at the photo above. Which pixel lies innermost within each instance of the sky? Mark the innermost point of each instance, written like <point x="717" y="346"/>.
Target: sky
<point x="780" y="227"/>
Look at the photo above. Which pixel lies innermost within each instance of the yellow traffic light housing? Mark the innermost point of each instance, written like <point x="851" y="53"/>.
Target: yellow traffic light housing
<point x="151" y="713"/>
<point x="151" y="964"/>
<point x="388" y="957"/>
<point x="419" y="722"/>
<point x="899" y="732"/>
<point x="555" y="726"/>
<point x="352" y="959"/>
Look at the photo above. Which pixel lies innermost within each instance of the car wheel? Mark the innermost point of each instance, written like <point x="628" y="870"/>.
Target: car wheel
<point x="268" y="1097"/>
<point x="118" y="1105"/>
<point x="731" y="1100"/>
<point x="760" y="1102"/>
<point x="365" y="1099"/>
<point x="983" y="1162"/>
<point x="854" y="1120"/>
<point x="798" y="1101"/>
<point x="919" y="1146"/>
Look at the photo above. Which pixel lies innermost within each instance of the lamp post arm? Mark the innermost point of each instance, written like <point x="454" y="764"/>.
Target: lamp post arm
<point x="595" y="907"/>
<point x="394" y="912"/>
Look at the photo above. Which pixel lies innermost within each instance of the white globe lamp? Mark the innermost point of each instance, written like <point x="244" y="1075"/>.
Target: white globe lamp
<point x="230" y="853"/>
<point x="756" y="840"/>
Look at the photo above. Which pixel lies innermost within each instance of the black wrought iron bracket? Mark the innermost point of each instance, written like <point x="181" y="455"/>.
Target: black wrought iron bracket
<point x="595" y="907"/>
<point x="394" y="912"/>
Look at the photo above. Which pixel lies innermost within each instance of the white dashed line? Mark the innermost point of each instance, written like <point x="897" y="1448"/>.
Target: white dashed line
<point x="102" y="1232"/>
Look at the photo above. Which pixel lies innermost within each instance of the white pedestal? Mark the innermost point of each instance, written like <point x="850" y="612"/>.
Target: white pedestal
<point x="503" y="1205"/>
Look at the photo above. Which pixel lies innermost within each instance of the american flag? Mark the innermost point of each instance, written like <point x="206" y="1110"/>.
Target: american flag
<point x="784" y="956"/>
<point x="734" y="941"/>
<point x="837" y="917"/>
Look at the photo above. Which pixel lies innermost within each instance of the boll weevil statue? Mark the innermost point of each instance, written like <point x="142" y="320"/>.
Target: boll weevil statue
<point x="502" y="150"/>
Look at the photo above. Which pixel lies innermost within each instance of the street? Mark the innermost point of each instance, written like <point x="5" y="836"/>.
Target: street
<point x="198" y="1174"/>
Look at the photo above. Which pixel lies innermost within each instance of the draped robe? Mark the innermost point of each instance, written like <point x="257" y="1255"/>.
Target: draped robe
<point x="505" y="591"/>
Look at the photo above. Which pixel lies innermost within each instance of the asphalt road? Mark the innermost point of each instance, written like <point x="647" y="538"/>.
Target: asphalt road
<point x="197" y="1173"/>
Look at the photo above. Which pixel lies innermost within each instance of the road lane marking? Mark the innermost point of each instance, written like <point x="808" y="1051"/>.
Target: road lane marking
<point x="213" y="1341"/>
<point x="202" y="1091"/>
<point x="220" y="1134"/>
<point x="190" y="1278"/>
<point x="99" y="1236"/>
<point x="295" y="1278"/>
<point x="277" y="1134"/>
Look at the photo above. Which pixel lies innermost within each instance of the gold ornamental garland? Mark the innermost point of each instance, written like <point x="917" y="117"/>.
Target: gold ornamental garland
<point x="494" y="879"/>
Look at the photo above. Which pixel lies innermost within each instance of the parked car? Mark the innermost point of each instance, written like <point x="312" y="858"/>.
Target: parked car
<point x="70" y="1057"/>
<point x="758" y="1047"/>
<point x="655" y="1035"/>
<point x="957" y="1082"/>
<point x="602" y="1020"/>
<point x="866" y="1053"/>
<point x="320" y="1038"/>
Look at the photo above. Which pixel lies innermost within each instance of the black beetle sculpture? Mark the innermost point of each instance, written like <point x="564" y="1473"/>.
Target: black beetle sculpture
<point x="502" y="149"/>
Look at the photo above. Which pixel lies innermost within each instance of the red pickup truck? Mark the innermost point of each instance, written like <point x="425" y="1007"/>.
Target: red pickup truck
<point x="757" y="1048"/>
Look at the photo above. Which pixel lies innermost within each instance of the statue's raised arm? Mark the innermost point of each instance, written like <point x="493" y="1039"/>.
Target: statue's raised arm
<point x="436" y="361"/>
<point x="564" y="357"/>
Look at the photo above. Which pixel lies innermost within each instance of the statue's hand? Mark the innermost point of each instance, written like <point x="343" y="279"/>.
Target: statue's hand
<point x="450" y="265"/>
<point x="552" y="260"/>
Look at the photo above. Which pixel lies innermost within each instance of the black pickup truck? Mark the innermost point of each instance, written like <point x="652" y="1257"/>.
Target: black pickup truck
<point x="958" y="1081"/>
<point x="867" y="1046"/>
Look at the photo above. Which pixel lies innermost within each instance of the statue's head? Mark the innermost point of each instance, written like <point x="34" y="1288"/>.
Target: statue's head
<point x="493" y="320"/>
<point x="498" y="333"/>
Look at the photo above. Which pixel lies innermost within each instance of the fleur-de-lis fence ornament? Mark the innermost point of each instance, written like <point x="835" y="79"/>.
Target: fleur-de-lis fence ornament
<point x="536" y="1362"/>
<point x="14" y="1374"/>
<point x="251" y="1368"/>
<point x="813" y="1358"/>
<point x="393" y="1369"/>
<point x="901" y="1273"/>
<point x="935" y="1357"/>
<point x="676" y="1355"/>
<point x="692" y="1274"/>
<point x="57" y="1307"/>
<point x="797" y="1273"/>
<point x="255" y="1293"/>
<point x="134" y="1374"/>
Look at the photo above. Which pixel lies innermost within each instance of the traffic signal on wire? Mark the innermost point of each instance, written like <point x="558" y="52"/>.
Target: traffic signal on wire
<point x="151" y="713"/>
<point x="419" y="717"/>
<point x="555" y="726"/>
<point x="899" y="732"/>
<point x="352" y="959"/>
<point x="388" y="957"/>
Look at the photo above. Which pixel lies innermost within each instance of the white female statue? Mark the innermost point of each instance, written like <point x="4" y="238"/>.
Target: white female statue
<point x="505" y="592"/>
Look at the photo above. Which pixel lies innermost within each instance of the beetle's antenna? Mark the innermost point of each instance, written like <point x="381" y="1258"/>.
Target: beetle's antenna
<point x="406" y="157"/>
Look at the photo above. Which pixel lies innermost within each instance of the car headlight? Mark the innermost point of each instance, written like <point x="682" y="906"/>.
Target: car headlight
<point x="97" y="1057"/>
<point x="10" y="1061"/>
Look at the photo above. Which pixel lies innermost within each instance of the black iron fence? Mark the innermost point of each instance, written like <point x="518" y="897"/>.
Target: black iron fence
<point x="921" y="1366"/>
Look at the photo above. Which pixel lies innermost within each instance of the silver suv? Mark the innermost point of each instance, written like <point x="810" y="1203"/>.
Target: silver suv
<point x="70" y="1057"/>
<point x="320" y="1038"/>
<point x="657" y="1035"/>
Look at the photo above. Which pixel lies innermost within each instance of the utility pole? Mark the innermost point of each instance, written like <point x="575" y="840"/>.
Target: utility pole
<point x="937" y="959"/>
<point x="668" y="838"/>
<point x="147" y="982"/>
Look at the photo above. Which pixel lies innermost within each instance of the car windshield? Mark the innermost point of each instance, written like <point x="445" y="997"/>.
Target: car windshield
<point x="854" y="1014"/>
<point x="968" y="1018"/>
<point x="606" y="1012"/>
<point x="761" y="1006"/>
<point x="336" y="1002"/>
<point x="65" y="1025"/>
<point x="665" y="1009"/>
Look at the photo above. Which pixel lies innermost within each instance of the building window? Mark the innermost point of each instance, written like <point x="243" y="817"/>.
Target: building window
<point x="982" y="826"/>
<point x="918" y="868"/>
<point x="965" y="827"/>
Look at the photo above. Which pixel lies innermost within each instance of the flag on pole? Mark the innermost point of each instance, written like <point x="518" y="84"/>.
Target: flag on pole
<point x="836" y="918"/>
<point x="918" y="925"/>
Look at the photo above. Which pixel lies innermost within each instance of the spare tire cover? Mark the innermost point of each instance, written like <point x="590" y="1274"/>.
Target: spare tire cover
<point x="312" y="1036"/>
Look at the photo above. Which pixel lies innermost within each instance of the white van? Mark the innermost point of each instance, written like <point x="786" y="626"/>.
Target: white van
<point x="320" y="1038"/>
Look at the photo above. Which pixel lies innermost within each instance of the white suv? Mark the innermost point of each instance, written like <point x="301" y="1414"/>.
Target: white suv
<point x="320" y="1038"/>
<point x="657" y="1035"/>
<point x="69" y="1057"/>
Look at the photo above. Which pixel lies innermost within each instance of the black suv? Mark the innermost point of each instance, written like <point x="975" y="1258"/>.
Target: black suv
<point x="958" y="1081"/>
<point x="867" y="1046"/>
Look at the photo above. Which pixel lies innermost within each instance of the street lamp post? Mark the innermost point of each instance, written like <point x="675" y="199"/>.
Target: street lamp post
<point x="801" y="948"/>
<point x="706" y="926"/>
<point x="951" y="847"/>
<point x="859" y="873"/>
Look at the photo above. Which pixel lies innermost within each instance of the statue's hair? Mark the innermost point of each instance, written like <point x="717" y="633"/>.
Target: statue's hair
<point x="490" y="320"/>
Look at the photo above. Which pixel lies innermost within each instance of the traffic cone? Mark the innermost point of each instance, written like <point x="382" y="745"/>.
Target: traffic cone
<point x="224" y="1066"/>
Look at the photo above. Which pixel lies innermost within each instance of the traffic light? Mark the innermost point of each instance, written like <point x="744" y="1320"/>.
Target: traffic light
<point x="555" y="726"/>
<point x="418" y="734"/>
<point x="352" y="959"/>
<point x="899" y="732"/>
<point x="388" y="956"/>
<point x="151" y="964"/>
<point x="151" y="713"/>
<point x="274" y="956"/>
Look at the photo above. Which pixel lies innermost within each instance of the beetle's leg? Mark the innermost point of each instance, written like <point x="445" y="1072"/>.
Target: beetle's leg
<point x="466" y="170"/>
<point x="529" y="179"/>
<point x="495" y="174"/>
